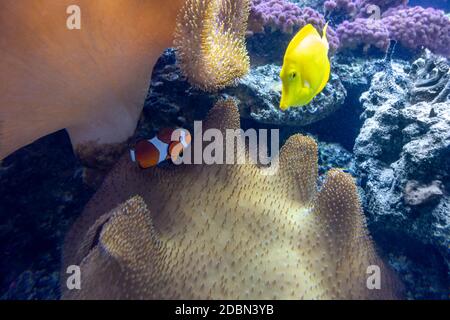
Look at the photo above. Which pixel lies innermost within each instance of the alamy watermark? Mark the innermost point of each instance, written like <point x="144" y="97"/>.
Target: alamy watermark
<point x="73" y="281"/>
<point x="234" y="146"/>
<point x="73" y="21"/>
<point x="374" y="279"/>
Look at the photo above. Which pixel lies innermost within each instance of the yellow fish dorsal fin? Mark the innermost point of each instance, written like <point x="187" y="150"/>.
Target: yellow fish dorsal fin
<point x="324" y="36"/>
<point x="301" y="35"/>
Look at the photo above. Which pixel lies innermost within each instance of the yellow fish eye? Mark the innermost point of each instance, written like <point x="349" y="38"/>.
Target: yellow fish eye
<point x="292" y="75"/>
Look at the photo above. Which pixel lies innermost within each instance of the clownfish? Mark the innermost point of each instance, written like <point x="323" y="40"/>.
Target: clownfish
<point x="150" y="153"/>
<point x="306" y="67"/>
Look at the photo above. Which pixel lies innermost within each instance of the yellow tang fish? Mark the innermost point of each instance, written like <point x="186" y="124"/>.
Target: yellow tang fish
<point x="306" y="67"/>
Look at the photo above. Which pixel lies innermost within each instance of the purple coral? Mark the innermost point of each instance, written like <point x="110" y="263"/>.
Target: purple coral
<point x="346" y="6"/>
<point x="350" y="6"/>
<point x="419" y="27"/>
<point x="383" y="4"/>
<point x="287" y="17"/>
<point x="413" y="28"/>
<point x="358" y="7"/>
<point x="363" y="31"/>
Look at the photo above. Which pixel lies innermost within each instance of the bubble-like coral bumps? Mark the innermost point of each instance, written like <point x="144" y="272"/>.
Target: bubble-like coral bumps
<point x="413" y="27"/>
<point x="287" y="17"/>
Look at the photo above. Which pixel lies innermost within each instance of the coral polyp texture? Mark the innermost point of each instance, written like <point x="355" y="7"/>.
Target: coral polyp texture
<point x="413" y="27"/>
<point x="363" y="31"/>
<point x="417" y="27"/>
<point x="360" y="6"/>
<point x="210" y="42"/>
<point x="287" y="17"/>
<point x="226" y="231"/>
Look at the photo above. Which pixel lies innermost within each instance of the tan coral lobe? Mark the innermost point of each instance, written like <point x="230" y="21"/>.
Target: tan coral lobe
<point x="210" y="42"/>
<point x="225" y="232"/>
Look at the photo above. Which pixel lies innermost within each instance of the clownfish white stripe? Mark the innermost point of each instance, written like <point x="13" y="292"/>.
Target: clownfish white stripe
<point x="162" y="148"/>
<point x="133" y="155"/>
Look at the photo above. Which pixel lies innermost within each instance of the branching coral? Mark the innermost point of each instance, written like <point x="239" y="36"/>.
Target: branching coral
<point x="210" y="42"/>
<point x="225" y="231"/>
<point x="93" y="81"/>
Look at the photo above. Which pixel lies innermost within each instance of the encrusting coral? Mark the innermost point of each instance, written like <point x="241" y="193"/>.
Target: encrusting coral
<point x="93" y="81"/>
<point x="225" y="231"/>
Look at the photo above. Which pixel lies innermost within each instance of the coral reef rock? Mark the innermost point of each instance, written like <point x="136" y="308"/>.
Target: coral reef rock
<point x="333" y="155"/>
<point x="417" y="194"/>
<point x="42" y="193"/>
<point x="260" y="93"/>
<point x="431" y="79"/>
<point x="403" y="157"/>
<point x="226" y="231"/>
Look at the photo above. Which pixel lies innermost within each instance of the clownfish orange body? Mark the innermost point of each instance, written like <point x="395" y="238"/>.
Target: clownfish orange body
<point x="167" y="144"/>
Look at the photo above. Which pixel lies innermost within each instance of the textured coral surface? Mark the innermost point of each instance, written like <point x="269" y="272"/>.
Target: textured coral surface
<point x="413" y="27"/>
<point x="210" y="42"/>
<point x="287" y="17"/>
<point x="225" y="231"/>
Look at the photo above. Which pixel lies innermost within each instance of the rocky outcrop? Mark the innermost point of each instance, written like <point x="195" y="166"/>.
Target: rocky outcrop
<point x="172" y="100"/>
<point x="430" y="79"/>
<point x="416" y="194"/>
<point x="259" y="94"/>
<point x="403" y="158"/>
<point x="41" y="193"/>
